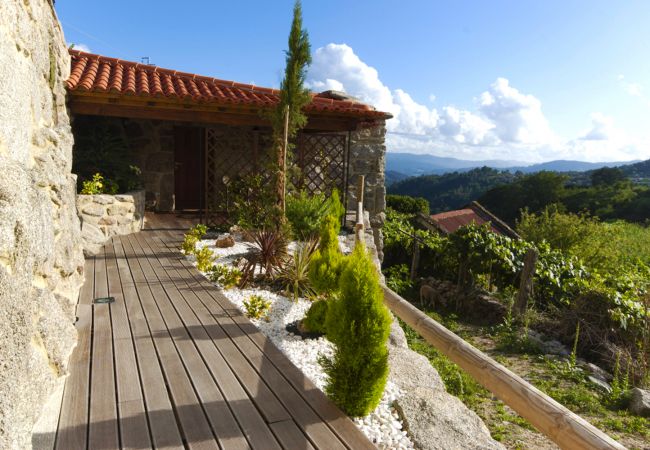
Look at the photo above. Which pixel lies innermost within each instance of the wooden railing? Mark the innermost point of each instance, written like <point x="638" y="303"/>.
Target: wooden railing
<point x="568" y="430"/>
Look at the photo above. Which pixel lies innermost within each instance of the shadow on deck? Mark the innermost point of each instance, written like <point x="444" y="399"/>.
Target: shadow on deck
<point x="173" y="364"/>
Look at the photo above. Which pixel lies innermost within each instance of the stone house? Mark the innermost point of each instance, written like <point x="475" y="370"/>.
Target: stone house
<point x="192" y="135"/>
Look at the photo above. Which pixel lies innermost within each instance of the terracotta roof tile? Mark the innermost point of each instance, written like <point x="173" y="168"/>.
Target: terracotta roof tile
<point x="101" y="74"/>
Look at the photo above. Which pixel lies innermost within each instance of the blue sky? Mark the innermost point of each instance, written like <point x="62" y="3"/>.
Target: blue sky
<point x="518" y="80"/>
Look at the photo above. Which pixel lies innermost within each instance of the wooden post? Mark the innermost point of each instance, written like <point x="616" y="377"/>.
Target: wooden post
<point x="526" y="284"/>
<point x="566" y="429"/>
<point x="415" y="262"/>
<point x="359" y="227"/>
<point x="285" y="146"/>
<point x="361" y="182"/>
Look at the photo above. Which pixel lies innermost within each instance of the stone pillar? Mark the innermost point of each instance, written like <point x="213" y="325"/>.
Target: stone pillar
<point x="41" y="261"/>
<point x="368" y="158"/>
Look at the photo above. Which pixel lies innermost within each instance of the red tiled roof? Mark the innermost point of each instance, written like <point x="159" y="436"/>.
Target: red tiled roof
<point x="450" y="221"/>
<point x="104" y="75"/>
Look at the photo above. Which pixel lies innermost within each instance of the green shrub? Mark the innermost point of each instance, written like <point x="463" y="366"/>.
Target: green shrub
<point x="227" y="277"/>
<point x="327" y="262"/>
<point x="358" y="324"/>
<point x="407" y="204"/>
<point x="193" y="235"/>
<point x="204" y="259"/>
<point x="294" y="275"/>
<point x="251" y="202"/>
<point x="98" y="185"/>
<point x="316" y="316"/>
<point x="304" y="213"/>
<point x="256" y="306"/>
<point x="335" y="207"/>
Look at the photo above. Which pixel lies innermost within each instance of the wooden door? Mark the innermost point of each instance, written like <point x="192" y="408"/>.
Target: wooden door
<point x="188" y="167"/>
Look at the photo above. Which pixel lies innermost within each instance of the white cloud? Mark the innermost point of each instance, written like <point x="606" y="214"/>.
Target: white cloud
<point x="506" y="123"/>
<point x="81" y="47"/>
<point x="632" y="88"/>
<point x="517" y="117"/>
<point x="602" y="129"/>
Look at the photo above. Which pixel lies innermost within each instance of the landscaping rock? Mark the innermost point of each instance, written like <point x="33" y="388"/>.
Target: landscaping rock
<point x="397" y="338"/>
<point x="225" y="242"/>
<point x="436" y="420"/>
<point x="597" y="372"/>
<point x="604" y="385"/>
<point x="409" y="370"/>
<point x="640" y="402"/>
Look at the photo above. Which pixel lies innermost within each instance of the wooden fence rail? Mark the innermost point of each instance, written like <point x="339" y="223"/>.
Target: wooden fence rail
<point x="566" y="429"/>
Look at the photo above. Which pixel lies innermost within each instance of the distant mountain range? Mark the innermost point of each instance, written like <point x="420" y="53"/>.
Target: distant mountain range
<point x="403" y="165"/>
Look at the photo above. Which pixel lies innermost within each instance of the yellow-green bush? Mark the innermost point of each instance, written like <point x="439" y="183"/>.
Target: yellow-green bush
<point x="358" y="324"/>
<point x="256" y="306"/>
<point x="316" y="316"/>
<point x="328" y="261"/>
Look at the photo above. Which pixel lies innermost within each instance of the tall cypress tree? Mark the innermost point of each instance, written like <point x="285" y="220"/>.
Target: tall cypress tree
<point x="293" y="95"/>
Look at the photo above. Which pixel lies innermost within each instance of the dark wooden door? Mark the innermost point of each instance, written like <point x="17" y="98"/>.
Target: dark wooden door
<point x="188" y="167"/>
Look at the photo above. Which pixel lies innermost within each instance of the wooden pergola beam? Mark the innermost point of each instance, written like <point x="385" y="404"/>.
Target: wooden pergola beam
<point x="162" y="109"/>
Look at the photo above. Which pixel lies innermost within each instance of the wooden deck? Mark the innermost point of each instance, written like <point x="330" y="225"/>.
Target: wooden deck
<point x="173" y="364"/>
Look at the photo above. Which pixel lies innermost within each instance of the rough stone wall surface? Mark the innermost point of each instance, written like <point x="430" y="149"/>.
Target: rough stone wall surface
<point x="41" y="260"/>
<point x="368" y="157"/>
<point x="104" y="216"/>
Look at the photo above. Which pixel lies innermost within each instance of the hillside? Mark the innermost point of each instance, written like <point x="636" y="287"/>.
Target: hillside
<point x="409" y="164"/>
<point x="452" y="190"/>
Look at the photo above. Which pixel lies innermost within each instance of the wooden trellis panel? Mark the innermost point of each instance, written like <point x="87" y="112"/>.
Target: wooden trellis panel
<point x="322" y="158"/>
<point x="237" y="152"/>
<point x="232" y="152"/>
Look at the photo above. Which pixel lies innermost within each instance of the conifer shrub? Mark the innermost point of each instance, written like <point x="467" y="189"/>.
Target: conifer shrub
<point x="358" y="324"/>
<point x="316" y="316"/>
<point x="328" y="261"/>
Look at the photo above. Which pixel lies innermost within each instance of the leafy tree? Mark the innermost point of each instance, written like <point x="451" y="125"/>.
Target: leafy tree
<point x="407" y="204"/>
<point x="607" y="176"/>
<point x="358" y="324"/>
<point x="293" y="98"/>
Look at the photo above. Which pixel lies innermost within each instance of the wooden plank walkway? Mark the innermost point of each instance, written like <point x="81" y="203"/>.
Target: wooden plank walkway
<point x="173" y="364"/>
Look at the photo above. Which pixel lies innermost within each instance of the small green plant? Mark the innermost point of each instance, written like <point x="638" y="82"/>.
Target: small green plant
<point x="189" y="244"/>
<point x="574" y="350"/>
<point x="204" y="259"/>
<point x="316" y="317"/>
<point x="304" y="213"/>
<point x="256" y="306"/>
<point x="227" y="277"/>
<point x="94" y="186"/>
<point x="294" y="275"/>
<point x="358" y="324"/>
<point x="193" y="235"/>
<point x="328" y="261"/>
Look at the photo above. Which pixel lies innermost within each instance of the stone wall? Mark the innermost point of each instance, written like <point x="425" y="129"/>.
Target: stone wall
<point x="104" y="216"/>
<point x="368" y="157"/>
<point x="41" y="260"/>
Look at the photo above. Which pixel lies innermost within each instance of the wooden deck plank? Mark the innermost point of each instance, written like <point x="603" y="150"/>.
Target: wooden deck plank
<point x="164" y="429"/>
<point x="187" y="330"/>
<point x="194" y="425"/>
<point x="134" y="430"/>
<point x="103" y="430"/>
<point x="307" y="419"/>
<point x="73" y="420"/>
<point x="228" y="366"/>
<point x="290" y="436"/>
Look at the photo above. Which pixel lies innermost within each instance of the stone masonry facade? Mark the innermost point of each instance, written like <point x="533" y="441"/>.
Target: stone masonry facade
<point x="41" y="259"/>
<point x="368" y="157"/>
<point x="104" y="216"/>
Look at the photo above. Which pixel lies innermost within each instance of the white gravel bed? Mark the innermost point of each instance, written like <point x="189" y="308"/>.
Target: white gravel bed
<point x="382" y="426"/>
